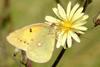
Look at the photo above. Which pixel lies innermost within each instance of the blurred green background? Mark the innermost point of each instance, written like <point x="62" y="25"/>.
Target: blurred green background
<point x="15" y="14"/>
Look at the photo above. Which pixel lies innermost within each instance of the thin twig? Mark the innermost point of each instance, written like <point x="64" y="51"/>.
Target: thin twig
<point x="57" y="1"/>
<point x="29" y="63"/>
<point x="25" y="61"/>
<point x="5" y="14"/>
<point x="85" y="5"/>
<point x="59" y="57"/>
<point x="16" y="61"/>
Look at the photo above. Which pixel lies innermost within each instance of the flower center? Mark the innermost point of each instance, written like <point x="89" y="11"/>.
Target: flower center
<point x="66" y="26"/>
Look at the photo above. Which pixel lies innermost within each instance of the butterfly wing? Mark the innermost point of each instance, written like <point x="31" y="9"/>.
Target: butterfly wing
<point x="41" y="48"/>
<point x="20" y="38"/>
<point x="37" y="40"/>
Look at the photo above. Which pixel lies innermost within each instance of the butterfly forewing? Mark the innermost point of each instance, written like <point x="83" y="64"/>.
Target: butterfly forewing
<point x="37" y="40"/>
<point x="19" y="38"/>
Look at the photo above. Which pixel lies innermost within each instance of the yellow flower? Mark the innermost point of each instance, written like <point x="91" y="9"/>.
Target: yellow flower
<point x="69" y="23"/>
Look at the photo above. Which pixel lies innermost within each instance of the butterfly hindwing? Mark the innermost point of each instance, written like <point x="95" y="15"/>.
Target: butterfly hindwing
<point x="41" y="49"/>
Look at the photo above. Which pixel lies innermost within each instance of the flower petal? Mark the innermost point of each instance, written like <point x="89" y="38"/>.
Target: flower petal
<point x="74" y="10"/>
<point x="61" y="11"/>
<point x="51" y="19"/>
<point x="64" y="39"/>
<point x="80" y="32"/>
<point x="74" y="36"/>
<point x="81" y="19"/>
<point x="59" y="40"/>
<point x="69" y="40"/>
<point x="79" y="24"/>
<point x="85" y="17"/>
<point x="55" y="10"/>
<point x="78" y="14"/>
<point x="78" y="17"/>
<point x="79" y="11"/>
<point x="68" y="9"/>
<point x="81" y="28"/>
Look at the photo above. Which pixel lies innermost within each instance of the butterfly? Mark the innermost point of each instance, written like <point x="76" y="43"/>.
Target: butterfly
<point x="37" y="40"/>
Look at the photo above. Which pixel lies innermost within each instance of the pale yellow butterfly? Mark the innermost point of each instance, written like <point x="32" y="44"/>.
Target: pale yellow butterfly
<point x="37" y="40"/>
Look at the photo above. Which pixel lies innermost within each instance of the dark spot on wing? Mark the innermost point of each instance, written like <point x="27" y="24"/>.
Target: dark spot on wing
<point x="24" y="41"/>
<point x="32" y="40"/>
<point x="30" y="30"/>
<point x="27" y="43"/>
<point x="20" y="40"/>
